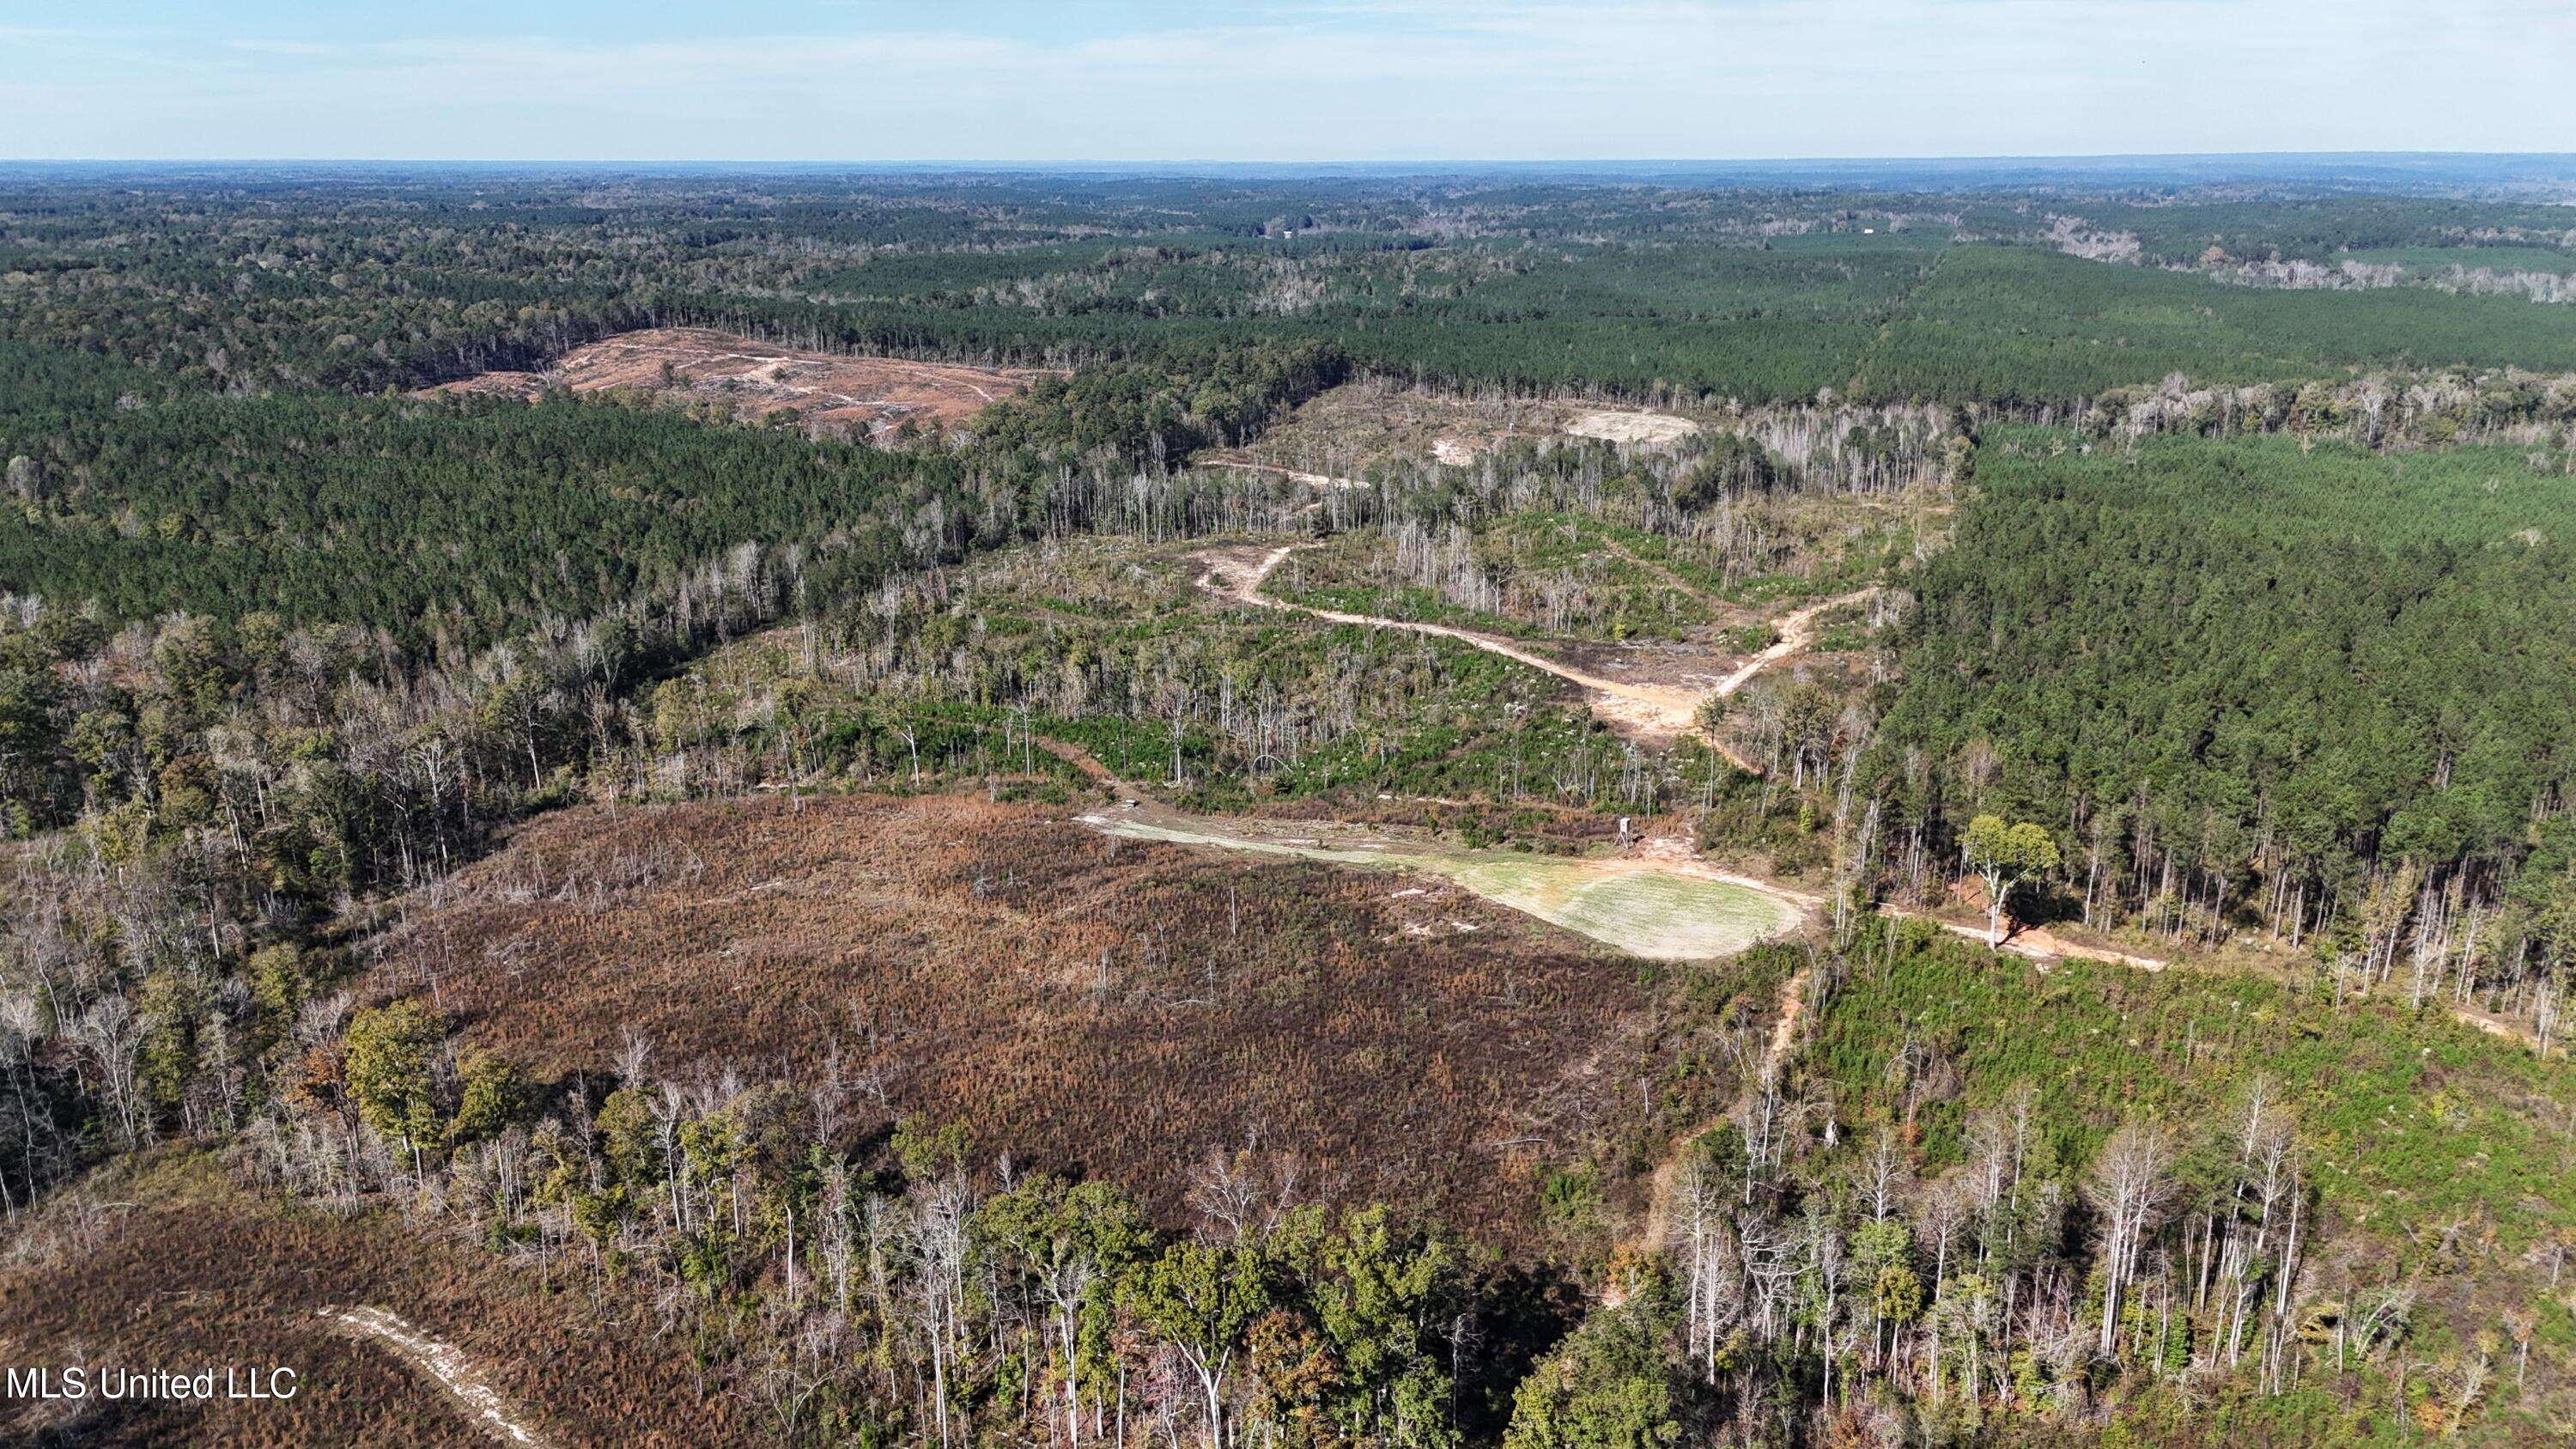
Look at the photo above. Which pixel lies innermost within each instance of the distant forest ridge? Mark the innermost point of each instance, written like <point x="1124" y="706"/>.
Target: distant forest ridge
<point x="2338" y="170"/>
<point x="358" y="279"/>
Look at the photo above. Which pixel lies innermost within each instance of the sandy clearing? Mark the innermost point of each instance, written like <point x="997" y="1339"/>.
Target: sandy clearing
<point x="446" y="1365"/>
<point x="754" y="379"/>
<point x="1631" y="429"/>
<point x="1654" y="914"/>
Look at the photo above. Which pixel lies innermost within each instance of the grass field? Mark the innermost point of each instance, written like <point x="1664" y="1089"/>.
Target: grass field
<point x="1648" y="913"/>
<point x="1641" y="910"/>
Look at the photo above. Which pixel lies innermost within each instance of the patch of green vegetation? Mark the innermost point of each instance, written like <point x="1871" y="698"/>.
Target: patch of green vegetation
<point x="1843" y="636"/>
<point x="1411" y="715"/>
<point x="2022" y="325"/>
<point x="1655" y="915"/>
<point x="1529" y="575"/>
<point x="2411" y="1120"/>
<point x="2435" y="261"/>
<point x="1570" y="1202"/>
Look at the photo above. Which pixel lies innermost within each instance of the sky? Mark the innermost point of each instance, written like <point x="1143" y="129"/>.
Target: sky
<point x="1271" y="80"/>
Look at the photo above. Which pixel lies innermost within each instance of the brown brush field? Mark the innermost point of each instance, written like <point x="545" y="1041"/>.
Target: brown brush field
<point x="181" y="1268"/>
<point x="825" y="390"/>
<point x="1108" y="1007"/>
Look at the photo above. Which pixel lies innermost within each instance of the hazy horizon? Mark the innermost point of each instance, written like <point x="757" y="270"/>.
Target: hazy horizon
<point x="1290" y="82"/>
<point x="1321" y="163"/>
<point x="2537" y="176"/>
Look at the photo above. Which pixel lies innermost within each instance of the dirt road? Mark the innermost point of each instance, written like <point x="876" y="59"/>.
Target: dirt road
<point x="1797" y="631"/>
<point x="2041" y="944"/>
<point x="1081" y="759"/>
<point x="1659" y="1185"/>
<point x="1311" y="480"/>
<point x="445" y="1365"/>
<point x="1643" y="711"/>
<point x="2492" y="1025"/>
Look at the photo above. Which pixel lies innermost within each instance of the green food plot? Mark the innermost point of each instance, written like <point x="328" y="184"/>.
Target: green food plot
<point x="1657" y="915"/>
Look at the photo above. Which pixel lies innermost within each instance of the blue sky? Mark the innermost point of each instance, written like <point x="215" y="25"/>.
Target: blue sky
<point x="1361" y="80"/>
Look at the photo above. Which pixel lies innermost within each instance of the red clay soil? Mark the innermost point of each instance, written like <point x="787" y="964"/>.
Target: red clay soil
<point x="754" y="379"/>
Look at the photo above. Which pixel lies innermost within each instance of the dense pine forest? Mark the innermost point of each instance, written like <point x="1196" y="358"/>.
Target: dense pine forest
<point x="622" y="865"/>
<point x="355" y="284"/>
<point x="2288" y="683"/>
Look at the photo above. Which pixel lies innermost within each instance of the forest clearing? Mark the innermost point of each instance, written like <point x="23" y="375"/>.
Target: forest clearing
<point x="1370" y="423"/>
<point x="1640" y="906"/>
<point x="993" y="963"/>
<point x="1634" y="429"/>
<point x="827" y="391"/>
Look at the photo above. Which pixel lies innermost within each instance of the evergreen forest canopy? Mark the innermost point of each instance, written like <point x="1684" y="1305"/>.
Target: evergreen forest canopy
<point x="2215" y="528"/>
<point x="355" y="280"/>
<point x="2251" y="674"/>
<point x="169" y="333"/>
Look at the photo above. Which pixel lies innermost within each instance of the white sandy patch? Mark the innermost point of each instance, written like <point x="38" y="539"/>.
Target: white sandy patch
<point x="1638" y="430"/>
<point x="447" y="1366"/>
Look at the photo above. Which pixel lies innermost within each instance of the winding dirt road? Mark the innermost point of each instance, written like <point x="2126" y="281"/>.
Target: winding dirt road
<point x="1641" y="711"/>
<point x="1653" y="712"/>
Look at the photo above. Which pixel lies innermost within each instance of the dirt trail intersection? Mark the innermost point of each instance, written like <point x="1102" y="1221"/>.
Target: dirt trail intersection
<point x="1640" y="711"/>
